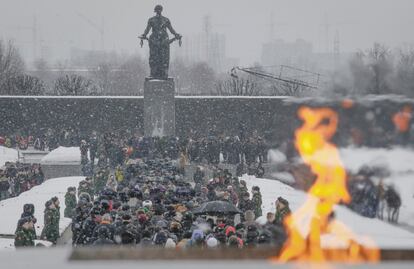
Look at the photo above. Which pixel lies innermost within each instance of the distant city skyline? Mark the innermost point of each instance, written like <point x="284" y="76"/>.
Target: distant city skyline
<point x="51" y="28"/>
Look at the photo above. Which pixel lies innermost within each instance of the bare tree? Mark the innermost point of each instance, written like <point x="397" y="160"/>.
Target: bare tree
<point x="237" y="87"/>
<point x="287" y="89"/>
<point x="371" y="71"/>
<point x="28" y="85"/>
<point x="380" y="64"/>
<point x="404" y="75"/>
<point x="74" y="85"/>
<point x="11" y="66"/>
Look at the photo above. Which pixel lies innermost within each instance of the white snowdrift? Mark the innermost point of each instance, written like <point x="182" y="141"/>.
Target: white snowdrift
<point x="398" y="161"/>
<point x="11" y="209"/>
<point x="383" y="234"/>
<point x="62" y="156"/>
<point x="8" y="244"/>
<point x="7" y="155"/>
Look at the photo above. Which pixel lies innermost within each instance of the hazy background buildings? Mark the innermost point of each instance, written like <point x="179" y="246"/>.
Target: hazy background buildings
<point x="98" y="38"/>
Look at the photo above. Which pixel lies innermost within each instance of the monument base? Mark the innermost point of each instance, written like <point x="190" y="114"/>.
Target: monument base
<point x="159" y="107"/>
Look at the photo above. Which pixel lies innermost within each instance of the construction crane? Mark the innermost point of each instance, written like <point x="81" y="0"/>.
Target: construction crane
<point x="301" y="77"/>
<point x="100" y="29"/>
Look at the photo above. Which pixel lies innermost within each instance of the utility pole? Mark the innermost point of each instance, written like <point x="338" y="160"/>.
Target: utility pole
<point x="327" y="25"/>
<point x="34" y="33"/>
<point x="337" y="50"/>
<point x="207" y="31"/>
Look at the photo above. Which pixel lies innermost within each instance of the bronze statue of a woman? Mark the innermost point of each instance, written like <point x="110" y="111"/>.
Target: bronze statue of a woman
<point x="159" y="43"/>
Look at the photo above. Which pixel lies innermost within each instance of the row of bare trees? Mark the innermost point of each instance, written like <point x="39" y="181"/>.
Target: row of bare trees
<point x="118" y="75"/>
<point x="378" y="70"/>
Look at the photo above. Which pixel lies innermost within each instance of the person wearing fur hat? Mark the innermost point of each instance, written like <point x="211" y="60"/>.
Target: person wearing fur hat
<point x="282" y="210"/>
<point x="85" y="187"/>
<point x="70" y="202"/>
<point x="50" y="230"/>
<point x="257" y="200"/>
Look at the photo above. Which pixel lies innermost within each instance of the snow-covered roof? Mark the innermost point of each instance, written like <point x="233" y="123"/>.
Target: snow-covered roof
<point x="7" y="155"/>
<point x="62" y="156"/>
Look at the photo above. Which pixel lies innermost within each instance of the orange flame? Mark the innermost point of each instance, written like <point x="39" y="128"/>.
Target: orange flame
<point x="315" y="218"/>
<point x="402" y="119"/>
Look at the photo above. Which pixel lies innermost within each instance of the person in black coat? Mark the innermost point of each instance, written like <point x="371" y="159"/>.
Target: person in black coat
<point x="103" y="237"/>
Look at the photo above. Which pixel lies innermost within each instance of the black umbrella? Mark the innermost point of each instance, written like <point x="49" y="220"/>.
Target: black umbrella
<point x="216" y="208"/>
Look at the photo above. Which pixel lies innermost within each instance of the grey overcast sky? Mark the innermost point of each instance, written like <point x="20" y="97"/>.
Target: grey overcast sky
<point x="244" y="22"/>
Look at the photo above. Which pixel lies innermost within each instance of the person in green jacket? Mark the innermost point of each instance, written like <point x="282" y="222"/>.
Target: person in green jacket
<point x="282" y="211"/>
<point x="85" y="186"/>
<point x="50" y="230"/>
<point x="100" y="181"/>
<point x="257" y="200"/>
<point x="24" y="236"/>
<point x="70" y="202"/>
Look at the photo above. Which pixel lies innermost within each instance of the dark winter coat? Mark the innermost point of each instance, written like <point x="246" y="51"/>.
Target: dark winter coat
<point x="281" y="215"/>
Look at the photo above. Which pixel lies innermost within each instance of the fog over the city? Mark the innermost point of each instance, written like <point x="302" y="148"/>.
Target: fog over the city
<point x="63" y="24"/>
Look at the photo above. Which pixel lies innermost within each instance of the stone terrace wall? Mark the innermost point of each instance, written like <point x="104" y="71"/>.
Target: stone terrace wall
<point x="272" y="117"/>
<point x="206" y="115"/>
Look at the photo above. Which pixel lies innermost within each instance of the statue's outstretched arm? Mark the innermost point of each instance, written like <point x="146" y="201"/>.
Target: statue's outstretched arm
<point x="147" y="29"/>
<point x="171" y="29"/>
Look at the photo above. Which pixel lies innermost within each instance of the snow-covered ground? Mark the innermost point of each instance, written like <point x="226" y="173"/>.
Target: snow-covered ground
<point x="383" y="234"/>
<point x="7" y="155"/>
<point x="400" y="164"/>
<point x="11" y="209"/>
<point x="62" y="156"/>
<point x="397" y="161"/>
<point x="8" y="244"/>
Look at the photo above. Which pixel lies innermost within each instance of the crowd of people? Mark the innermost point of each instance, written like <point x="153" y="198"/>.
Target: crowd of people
<point x="134" y="193"/>
<point x="147" y="202"/>
<point x="16" y="178"/>
<point x="211" y="149"/>
<point x="46" y="140"/>
<point x="373" y="200"/>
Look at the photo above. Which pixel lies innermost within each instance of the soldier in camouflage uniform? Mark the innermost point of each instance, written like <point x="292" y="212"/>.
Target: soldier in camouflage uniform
<point x="282" y="211"/>
<point x="100" y="181"/>
<point x="51" y="221"/>
<point x="24" y="236"/>
<point x="85" y="187"/>
<point x="70" y="202"/>
<point x="257" y="200"/>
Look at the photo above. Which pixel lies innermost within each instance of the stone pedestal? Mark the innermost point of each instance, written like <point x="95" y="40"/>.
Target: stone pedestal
<point x="159" y="107"/>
